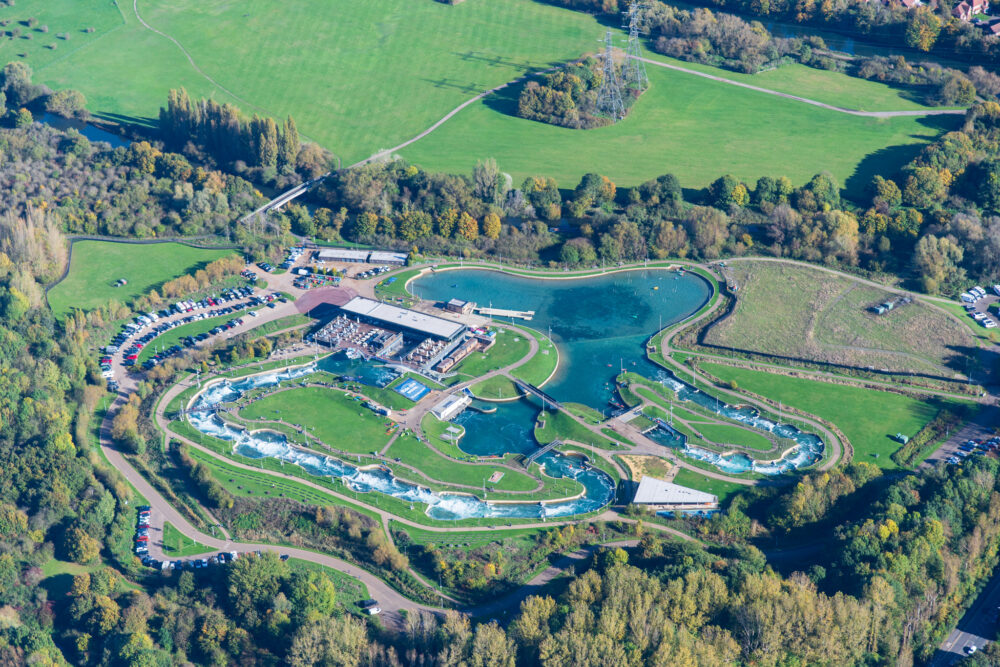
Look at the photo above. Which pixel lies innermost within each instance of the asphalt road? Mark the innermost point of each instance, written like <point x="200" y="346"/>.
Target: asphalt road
<point x="977" y="627"/>
<point x="980" y="427"/>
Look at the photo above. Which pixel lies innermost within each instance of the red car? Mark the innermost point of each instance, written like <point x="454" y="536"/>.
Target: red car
<point x="142" y="538"/>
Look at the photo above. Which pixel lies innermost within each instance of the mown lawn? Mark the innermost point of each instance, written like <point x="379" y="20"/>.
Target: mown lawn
<point x="337" y="420"/>
<point x="717" y="487"/>
<point x="68" y="22"/>
<point x="828" y="87"/>
<point x="540" y="367"/>
<point x="868" y="417"/>
<point x="404" y="64"/>
<point x="415" y="453"/>
<point x="176" y="545"/>
<point x="510" y="346"/>
<point x="687" y="125"/>
<point x="559" y="426"/>
<point x="357" y="77"/>
<point x="97" y="265"/>
<point x="724" y="434"/>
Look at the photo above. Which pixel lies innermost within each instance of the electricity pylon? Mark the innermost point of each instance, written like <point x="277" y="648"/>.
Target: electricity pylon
<point x="609" y="95"/>
<point x="635" y="69"/>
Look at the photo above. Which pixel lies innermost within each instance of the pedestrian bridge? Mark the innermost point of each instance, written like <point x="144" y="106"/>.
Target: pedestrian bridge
<point x="503" y="312"/>
<point x="541" y="450"/>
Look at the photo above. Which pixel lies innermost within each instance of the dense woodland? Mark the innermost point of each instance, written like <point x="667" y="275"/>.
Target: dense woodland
<point x="728" y="41"/>
<point x="929" y="27"/>
<point x="259" y="148"/>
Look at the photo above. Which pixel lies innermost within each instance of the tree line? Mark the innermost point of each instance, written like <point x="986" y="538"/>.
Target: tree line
<point x="924" y="27"/>
<point x="933" y="221"/>
<point x="724" y="40"/>
<point x="259" y="146"/>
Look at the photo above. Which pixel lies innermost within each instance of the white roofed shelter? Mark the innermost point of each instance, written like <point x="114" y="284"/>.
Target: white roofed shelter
<point x="451" y="406"/>
<point x="384" y="257"/>
<point x="661" y="495"/>
<point x="342" y="255"/>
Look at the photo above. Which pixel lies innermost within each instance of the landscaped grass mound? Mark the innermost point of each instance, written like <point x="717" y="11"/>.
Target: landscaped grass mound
<point x="96" y="266"/>
<point x="797" y="312"/>
<point x="868" y="417"/>
<point x="337" y="420"/>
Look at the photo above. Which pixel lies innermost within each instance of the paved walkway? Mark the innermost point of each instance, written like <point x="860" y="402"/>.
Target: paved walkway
<point x="806" y="100"/>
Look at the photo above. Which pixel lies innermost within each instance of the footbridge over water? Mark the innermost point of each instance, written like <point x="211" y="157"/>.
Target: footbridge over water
<point x="529" y="388"/>
<point x="528" y="460"/>
<point x="503" y="312"/>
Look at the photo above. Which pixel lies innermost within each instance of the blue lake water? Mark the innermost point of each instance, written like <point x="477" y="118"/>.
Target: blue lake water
<point x="600" y="326"/>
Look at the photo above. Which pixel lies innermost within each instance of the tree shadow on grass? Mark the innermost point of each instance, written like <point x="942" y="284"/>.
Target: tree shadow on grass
<point x="890" y="160"/>
<point x="505" y="100"/>
<point x="58" y="585"/>
<point x="445" y="82"/>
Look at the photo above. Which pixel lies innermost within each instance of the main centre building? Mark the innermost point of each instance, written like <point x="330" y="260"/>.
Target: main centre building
<point x="402" y="319"/>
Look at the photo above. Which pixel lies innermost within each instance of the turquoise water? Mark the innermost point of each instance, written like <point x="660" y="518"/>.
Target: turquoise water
<point x="598" y="487"/>
<point x="600" y="326"/>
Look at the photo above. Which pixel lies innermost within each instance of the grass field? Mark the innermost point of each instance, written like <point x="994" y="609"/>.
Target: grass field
<point x="471" y="540"/>
<point x="540" y="367"/>
<point x="693" y="127"/>
<point x="415" y="453"/>
<point x="839" y="90"/>
<point x="97" y="265"/>
<point x="558" y="426"/>
<point x="722" y="490"/>
<point x="797" y="312"/>
<point x="869" y="418"/>
<point x="509" y="347"/>
<point x="716" y="435"/>
<point x="68" y="22"/>
<point x="177" y="545"/>
<point x="338" y="421"/>
<point x="422" y="58"/>
<point x="724" y="434"/>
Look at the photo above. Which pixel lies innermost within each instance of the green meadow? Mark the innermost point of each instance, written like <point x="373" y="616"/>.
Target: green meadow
<point x="359" y="78"/>
<point x="96" y="266"/>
